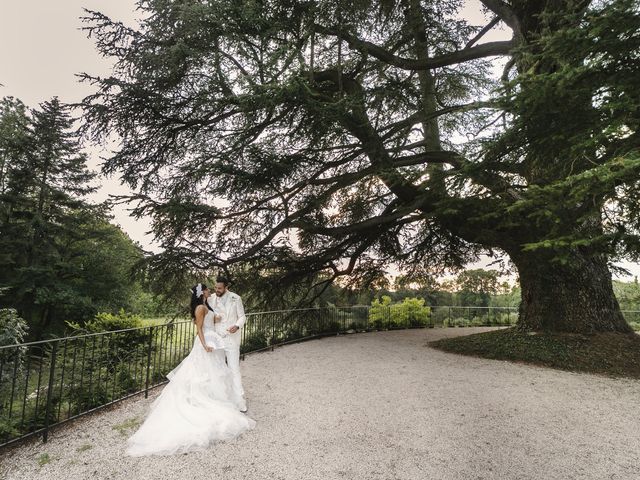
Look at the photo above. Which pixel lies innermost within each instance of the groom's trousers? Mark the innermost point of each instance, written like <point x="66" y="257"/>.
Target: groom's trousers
<point x="232" y="355"/>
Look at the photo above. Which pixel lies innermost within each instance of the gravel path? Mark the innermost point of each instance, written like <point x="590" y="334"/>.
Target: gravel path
<point x="377" y="406"/>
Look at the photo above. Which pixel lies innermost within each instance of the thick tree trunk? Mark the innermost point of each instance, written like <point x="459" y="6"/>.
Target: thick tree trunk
<point x="574" y="297"/>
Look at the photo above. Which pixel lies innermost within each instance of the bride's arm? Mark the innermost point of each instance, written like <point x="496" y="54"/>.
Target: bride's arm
<point x="200" y="313"/>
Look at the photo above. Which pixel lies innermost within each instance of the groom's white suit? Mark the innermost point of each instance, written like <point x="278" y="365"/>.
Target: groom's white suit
<point x="230" y="305"/>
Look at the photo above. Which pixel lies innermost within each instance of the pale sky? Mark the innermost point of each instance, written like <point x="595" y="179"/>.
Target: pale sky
<point x="42" y="48"/>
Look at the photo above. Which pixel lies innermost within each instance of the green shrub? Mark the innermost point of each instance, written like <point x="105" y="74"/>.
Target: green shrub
<point x="85" y="397"/>
<point x="439" y="316"/>
<point x="119" y="347"/>
<point x="454" y="322"/>
<point x="253" y="342"/>
<point x="125" y="381"/>
<point x="332" y="326"/>
<point x="108" y="322"/>
<point x="9" y="427"/>
<point x="291" y="333"/>
<point x="411" y="312"/>
<point x="380" y="312"/>
<point x="13" y="330"/>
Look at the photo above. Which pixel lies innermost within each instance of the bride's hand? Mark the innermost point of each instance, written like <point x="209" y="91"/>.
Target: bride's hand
<point x="208" y="348"/>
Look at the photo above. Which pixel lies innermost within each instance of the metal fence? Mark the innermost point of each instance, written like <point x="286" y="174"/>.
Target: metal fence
<point x="50" y="382"/>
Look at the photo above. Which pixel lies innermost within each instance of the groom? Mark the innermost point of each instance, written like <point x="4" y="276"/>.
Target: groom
<point x="230" y="328"/>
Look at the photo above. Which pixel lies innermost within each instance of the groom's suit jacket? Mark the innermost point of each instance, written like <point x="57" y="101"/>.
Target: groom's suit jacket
<point x="233" y="314"/>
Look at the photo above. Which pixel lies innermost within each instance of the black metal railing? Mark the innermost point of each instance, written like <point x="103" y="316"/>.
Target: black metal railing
<point x="50" y="382"/>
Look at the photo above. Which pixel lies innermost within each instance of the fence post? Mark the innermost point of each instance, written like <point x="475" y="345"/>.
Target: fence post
<point x="243" y="338"/>
<point x="367" y="310"/>
<point x="273" y="330"/>
<point x="52" y="371"/>
<point x="146" y="386"/>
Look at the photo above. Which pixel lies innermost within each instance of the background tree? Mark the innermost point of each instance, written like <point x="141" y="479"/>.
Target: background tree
<point x="476" y="287"/>
<point x="60" y="258"/>
<point x="14" y="141"/>
<point x="14" y="123"/>
<point x="340" y="136"/>
<point x="628" y="294"/>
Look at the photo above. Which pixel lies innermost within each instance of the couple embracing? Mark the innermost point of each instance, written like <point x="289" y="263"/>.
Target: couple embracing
<point x="204" y="399"/>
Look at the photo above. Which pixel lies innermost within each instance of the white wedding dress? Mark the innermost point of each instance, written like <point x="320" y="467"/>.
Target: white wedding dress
<point x="197" y="406"/>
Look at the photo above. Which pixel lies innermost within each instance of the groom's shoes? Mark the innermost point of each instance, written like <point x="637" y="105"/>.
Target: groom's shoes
<point x="243" y="406"/>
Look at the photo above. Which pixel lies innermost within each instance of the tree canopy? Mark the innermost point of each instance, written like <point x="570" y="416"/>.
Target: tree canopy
<point x="315" y="140"/>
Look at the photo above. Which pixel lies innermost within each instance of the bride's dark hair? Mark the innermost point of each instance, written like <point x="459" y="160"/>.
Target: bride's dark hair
<point x="198" y="299"/>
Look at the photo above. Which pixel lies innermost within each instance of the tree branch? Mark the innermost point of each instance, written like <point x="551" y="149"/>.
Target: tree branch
<point x="482" y="32"/>
<point x="505" y="13"/>
<point x="480" y="51"/>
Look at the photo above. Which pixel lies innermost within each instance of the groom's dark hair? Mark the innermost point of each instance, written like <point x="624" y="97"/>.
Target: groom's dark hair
<point x="222" y="279"/>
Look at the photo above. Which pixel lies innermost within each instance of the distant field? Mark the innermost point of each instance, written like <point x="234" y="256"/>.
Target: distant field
<point x="147" y="322"/>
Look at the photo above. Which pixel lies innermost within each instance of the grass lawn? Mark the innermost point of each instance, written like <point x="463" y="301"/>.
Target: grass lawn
<point x="152" y="321"/>
<point x="610" y="354"/>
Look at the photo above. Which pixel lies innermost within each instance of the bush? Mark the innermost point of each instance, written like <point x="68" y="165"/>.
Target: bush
<point x="291" y="333"/>
<point x="411" y="312"/>
<point x="379" y="313"/>
<point x="439" y="316"/>
<point x="253" y="342"/>
<point x="454" y="322"/>
<point x="332" y="326"/>
<point x="86" y="397"/>
<point x="125" y="381"/>
<point x="9" y="428"/>
<point x="13" y="330"/>
<point x="118" y="347"/>
<point x="108" y="322"/>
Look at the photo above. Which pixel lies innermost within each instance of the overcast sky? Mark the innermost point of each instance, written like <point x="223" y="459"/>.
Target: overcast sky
<point x="42" y="49"/>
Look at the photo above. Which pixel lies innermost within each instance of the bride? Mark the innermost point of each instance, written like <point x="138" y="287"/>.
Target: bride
<point x="198" y="406"/>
